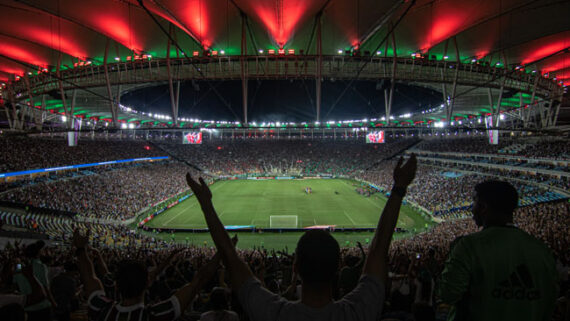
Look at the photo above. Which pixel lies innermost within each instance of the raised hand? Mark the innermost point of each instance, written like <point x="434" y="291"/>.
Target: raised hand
<point x="79" y="240"/>
<point x="200" y="189"/>
<point x="404" y="174"/>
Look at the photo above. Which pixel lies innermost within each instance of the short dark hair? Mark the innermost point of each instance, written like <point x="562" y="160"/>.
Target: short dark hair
<point x="219" y="299"/>
<point x="33" y="250"/>
<point x="132" y="278"/>
<point x="500" y="196"/>
<point x="317" y="256"/>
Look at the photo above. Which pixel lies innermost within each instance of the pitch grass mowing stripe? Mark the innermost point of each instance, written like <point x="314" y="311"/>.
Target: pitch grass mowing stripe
<point x="333" y="202"/>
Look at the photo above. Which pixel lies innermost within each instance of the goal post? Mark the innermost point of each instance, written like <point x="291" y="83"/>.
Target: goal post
<point x="283" y="221"/>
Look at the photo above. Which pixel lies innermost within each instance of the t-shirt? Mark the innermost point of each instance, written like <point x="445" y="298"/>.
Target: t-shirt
<point x="499" y="273"/>
<point x="224" y="315"/>
<point x="104" y="309"/>
<point x="40" y="271"/>
<point x="363" y="303"/>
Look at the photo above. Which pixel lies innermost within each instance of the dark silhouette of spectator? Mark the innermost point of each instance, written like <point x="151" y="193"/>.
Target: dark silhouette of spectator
<point x="501" y="272"/>
<point x="64" y="290"/>
<point x="131" y="279"/>
<point x="219" y="307"/>
<point x="317" y="261"/>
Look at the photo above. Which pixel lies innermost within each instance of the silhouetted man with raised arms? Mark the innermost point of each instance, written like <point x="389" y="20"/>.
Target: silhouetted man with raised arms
<point x="317" y="260"/>
<point x="500" y="273"/>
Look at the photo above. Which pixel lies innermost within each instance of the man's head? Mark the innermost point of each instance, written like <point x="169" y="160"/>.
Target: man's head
<point x="132" y="278"/>
<point x="494" y="203"/>
<point x="33" y="250"/>
<point x="317" y="257"/>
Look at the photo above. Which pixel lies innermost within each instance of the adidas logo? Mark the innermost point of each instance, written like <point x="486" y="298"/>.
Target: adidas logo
<point x="519" y="286"/>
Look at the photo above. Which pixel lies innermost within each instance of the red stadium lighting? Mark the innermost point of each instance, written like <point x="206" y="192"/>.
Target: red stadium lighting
<point x="291" y="51"/>
<point x="271" y="51"/>
<point x="214" y="53"/>
<point x="147" y="147"/>
<point x="129" y="58"/>
<point x="195" y="53"/>
<point x="281" y="51"/>
<point x="219" y="147"/>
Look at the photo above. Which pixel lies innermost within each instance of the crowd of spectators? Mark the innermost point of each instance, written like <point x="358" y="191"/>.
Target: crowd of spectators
<point x="23" y="153"/>
<point x="440" y="193"/>
<point x="549" y="149"/>
<point x="121" y="192"/>
<point x="415" y="266"/>
<point x="117" y="193"/>
<point x="304" y="157"/>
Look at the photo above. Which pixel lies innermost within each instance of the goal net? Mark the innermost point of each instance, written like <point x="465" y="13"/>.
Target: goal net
<point x="283" y="221"/>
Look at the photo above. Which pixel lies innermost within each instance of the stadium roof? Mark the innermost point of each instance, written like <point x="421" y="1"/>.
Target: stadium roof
<point x="38" y="34"/>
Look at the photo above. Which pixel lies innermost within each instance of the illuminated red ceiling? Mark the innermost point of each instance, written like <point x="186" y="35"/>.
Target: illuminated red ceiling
<point x="35" y="31"/>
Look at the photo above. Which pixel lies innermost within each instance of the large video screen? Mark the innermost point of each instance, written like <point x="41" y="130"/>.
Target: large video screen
<point x="192" y="138"/>
<point x="375" y="137"/>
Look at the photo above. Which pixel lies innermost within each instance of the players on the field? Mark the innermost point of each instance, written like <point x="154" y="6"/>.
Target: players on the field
<point x="308" y="190"/>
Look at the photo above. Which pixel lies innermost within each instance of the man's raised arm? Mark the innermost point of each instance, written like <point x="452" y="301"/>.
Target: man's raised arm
<point x="239" y="271"/>
<point x="377" y="260"/>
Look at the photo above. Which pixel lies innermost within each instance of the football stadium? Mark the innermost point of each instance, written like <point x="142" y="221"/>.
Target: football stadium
<point x="262" y="160"/>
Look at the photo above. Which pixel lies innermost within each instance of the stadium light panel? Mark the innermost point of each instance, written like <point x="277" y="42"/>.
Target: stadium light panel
<point x="281" y="51"/>
<point x="222" y="52"/>
<point x="291" y="51"/>
<point x="63" y="118"/>
<point x="378" y="53"/>
<point x="195" y="53"/>
<point x="445" y="57"/>
<point x="117" y="59"/>
<point x="271" y="51"/>
<point x="260" y="51"/>
<point x="339" y="52"/>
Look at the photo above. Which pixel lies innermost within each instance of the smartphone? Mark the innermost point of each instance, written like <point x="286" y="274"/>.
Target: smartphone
<point x="418" y="256"/>
<point x="18" y="267"/>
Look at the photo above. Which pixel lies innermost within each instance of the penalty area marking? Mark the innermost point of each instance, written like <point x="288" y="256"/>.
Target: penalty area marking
<point x="350" y="218"/>
<point x="184" y="211"/>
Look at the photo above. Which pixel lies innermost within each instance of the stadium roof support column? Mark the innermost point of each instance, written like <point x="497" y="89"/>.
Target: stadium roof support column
<point x="381" y="22"/>
<point x="243" y="63"/>
<point x="112" y="105"/>
<point x="532" y="103"/>
<point x="443" y="85"/>
<point x="61" y="91"/>
<point x="521" y="107"/>
<point x="555" y="119"/>
<point x="449" y="106"/>
<point x="388" y="97"/>
<point x="173" y="100"/>
<point x="36" y="114"/>
<point x="497" y="113"/>
<point x="318" y="83"/>
<point x="10" y="115"/>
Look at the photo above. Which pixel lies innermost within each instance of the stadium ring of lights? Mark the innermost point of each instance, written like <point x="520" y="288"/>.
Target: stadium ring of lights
<point x="145" y="72"/>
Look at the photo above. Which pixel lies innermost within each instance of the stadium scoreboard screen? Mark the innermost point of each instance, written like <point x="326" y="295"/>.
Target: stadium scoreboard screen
<point x="375" y="137"/>
<point x="192" y="138"/>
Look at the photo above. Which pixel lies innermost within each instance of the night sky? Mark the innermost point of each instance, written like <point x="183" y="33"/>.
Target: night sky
<point x="282" y="100"/>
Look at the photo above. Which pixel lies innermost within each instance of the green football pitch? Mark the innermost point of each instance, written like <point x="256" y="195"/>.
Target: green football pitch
<point x="333" y="202"/>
